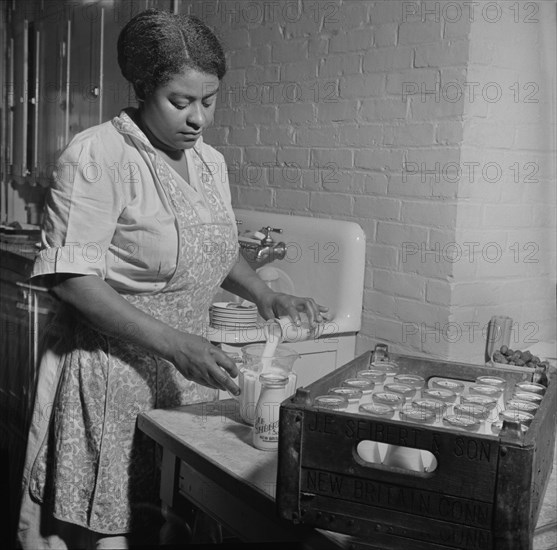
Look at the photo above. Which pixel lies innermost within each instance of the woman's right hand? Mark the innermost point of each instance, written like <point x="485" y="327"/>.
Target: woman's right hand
<point x="200" y="361"/>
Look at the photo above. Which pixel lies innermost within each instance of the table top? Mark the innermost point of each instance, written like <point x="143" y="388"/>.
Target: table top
<point x="215" y="432"/>
<point x="213" y="438"/>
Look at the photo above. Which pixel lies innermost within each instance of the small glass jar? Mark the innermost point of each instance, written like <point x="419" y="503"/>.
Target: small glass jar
<point x="414" y="380"/>
<point x="496" y="381"/>
<point x="352" y="395"/>
<point x="489" y="391"/>
<point x="366" y="387"/>
<point x="448" y="396"/>
<point x="497" y="426"/>
<point x="381" y="352"/>
<point x="540" y="374"/>
<point x="284" y="329"/>
<point x="376" y="376"/>
<point x="377" y="409"/>
<point x="488" y="402"/>
<point x="471" y="410"/>
<point x="435" y="406"/>
<point x="390" y="369"/>
<point x="525" y="406"/>
<point x="516" y="416"/>
<point x="462" y="422"/>
<point x="527" y="396"/>
<point x="421" y="416"/>
<point x="383" y="397"/>
<point x="408" y="392"/>
<point x="333" y="402"/>
<point x="530" y="387"/>
<point x="448" y="384"/>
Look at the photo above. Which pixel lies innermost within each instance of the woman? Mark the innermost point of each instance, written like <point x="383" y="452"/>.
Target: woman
<point x="138" y="207"/>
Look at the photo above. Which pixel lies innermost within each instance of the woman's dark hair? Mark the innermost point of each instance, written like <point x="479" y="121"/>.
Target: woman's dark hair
<point x="156" y="45"/>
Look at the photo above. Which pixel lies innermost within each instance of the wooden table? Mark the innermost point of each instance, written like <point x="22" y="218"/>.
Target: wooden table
<point x="209" y="459"/>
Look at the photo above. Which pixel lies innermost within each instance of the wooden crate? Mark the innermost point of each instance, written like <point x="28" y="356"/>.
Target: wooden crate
<point x="486" y="492"/>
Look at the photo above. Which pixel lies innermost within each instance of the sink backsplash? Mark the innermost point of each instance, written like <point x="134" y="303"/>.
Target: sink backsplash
<point x="325" y="260"/>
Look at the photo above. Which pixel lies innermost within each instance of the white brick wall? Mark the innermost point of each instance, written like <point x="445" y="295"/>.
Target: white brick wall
<point x="509" y="126"/>
<point x="385" y="112"/>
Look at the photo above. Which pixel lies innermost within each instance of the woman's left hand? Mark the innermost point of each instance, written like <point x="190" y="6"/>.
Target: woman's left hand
<point x="243" y="281"/>
<point x="277" y="304"/>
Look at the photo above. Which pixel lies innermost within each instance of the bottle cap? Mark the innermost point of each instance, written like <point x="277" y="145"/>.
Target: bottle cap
<point x="273" y="380"/>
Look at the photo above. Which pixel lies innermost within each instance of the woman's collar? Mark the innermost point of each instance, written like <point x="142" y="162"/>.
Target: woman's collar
<point x="125" y="124"/>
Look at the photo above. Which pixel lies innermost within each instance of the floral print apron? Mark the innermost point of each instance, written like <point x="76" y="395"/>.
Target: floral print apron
<point x="87" y="462"/>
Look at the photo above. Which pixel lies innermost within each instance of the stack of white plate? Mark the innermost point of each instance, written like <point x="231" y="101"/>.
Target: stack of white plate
<point x="233" y="315"/>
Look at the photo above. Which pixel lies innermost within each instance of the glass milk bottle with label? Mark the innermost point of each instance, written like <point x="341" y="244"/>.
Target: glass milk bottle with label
<point x="257" y="360"/>
<point x="266" y="425"/>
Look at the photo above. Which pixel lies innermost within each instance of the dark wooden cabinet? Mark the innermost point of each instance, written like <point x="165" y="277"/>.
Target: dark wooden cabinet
<point x="61" y="77"/>
<point x="51" y="125"/>
<point x="15" y="335"/>
<point x="116" y="93"/>
<point x="25" y="312"/>
<point x="85" y="66"/>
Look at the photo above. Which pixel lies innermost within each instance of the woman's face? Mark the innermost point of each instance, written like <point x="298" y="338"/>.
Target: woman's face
<point x="177" y="112"/>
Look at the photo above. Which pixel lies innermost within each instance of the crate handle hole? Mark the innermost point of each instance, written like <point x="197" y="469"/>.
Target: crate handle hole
<point x="396" y="456"/>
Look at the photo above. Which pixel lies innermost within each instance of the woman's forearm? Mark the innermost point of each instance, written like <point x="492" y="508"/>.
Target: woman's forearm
<point x="243" y="281"/>
<point x="108" y="312"/>
<point x="103" y="308"/>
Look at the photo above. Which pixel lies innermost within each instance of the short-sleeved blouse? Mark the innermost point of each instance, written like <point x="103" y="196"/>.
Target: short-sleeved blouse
<point x="107" y="215"/>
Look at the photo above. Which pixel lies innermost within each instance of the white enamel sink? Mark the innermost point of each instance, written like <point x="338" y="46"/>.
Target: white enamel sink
<point x="325" y="260"/>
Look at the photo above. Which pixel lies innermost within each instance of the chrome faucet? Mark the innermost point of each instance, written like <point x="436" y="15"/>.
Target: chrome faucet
<point x="262" y="249"/>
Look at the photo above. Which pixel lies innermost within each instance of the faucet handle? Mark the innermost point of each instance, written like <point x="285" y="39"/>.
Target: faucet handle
<point x="267" y="239"/>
